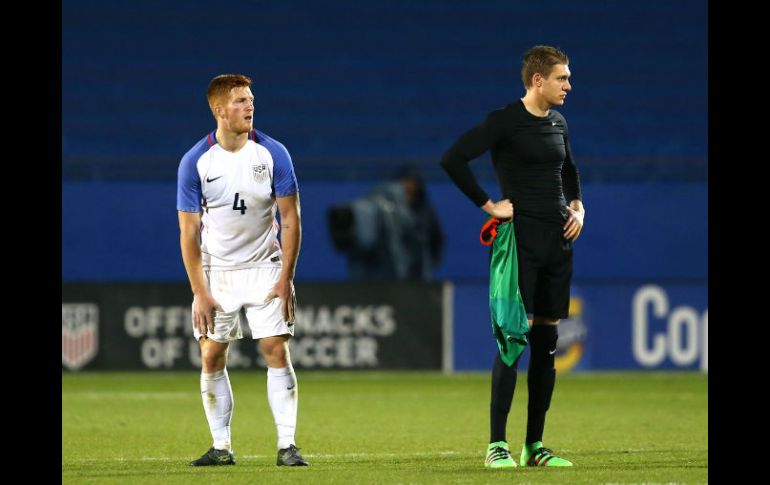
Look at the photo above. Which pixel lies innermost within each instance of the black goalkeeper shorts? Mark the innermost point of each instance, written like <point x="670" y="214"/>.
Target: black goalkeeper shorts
<point x="545" y="268"/>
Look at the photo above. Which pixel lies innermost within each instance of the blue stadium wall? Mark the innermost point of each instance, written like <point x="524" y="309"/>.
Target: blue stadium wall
<point x="128" y="231"/>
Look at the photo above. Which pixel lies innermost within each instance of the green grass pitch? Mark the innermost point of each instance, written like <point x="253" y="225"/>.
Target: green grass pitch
<point x="385" y="427"/>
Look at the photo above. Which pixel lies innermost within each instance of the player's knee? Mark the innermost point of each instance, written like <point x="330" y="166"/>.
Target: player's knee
<point x="275" y="351"/>
<point x="276" y="355"/>
<point x="213" y="357"/>
<point x="543" y="340"/>
<point x="278" y="358"/>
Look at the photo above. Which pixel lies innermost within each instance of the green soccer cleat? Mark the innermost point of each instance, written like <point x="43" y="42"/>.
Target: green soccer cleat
<point x="498" y="456"/>
<point x="536" y="455"/>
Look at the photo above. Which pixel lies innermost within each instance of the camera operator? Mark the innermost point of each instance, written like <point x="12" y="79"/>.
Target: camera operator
<point x="393" y="233"/>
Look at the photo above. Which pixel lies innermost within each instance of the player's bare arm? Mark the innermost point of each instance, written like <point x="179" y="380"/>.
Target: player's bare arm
<point x="291" y="237"/>
<point x="203" y="303"/>
<point x="574" y="224"/>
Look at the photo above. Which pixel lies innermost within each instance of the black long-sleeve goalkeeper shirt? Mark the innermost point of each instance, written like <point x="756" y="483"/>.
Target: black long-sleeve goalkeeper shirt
<point x="532" y="159"/>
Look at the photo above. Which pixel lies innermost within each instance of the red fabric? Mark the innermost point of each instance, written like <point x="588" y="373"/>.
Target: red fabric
<point x="489" y="231"/>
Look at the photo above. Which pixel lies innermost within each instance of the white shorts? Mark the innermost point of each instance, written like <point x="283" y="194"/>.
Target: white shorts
<point x="241" y="293"/>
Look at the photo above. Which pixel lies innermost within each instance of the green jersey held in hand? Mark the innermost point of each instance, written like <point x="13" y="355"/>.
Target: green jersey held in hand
<point x="506" y="307"/>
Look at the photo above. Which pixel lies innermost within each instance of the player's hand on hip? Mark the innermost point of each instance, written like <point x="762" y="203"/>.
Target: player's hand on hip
<point x="284" y="290"/>
<point x="204" y="310"/>
<point x="502" y="209"/>
<point x="574" y="224"/>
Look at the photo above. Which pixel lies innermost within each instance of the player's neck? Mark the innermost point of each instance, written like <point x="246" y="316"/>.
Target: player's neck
<point x="231" y="141"/>
<point x="535" y="104"/>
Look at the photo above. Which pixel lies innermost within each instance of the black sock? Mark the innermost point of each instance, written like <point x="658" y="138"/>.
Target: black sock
<point x="503" y="385"/>
<point x="541" y="378"/>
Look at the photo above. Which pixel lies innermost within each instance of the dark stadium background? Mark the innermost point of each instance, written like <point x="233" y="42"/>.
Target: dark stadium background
<point x="354" y="89"/>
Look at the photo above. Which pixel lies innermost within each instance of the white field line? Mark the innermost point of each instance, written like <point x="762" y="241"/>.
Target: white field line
<point x="352" y="455"/>
<point x="132" y="395"/>
<point x="309" y="455"/>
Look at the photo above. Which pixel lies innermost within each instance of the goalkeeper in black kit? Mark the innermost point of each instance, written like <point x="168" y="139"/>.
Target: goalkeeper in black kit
<point x="540" y="188"/>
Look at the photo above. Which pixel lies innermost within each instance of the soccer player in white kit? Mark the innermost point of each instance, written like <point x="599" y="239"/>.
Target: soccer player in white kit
<point x="229" y="186"/>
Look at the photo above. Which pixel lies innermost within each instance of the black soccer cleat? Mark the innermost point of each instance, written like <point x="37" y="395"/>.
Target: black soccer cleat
<point x="290" y="457"/>
<point x="215" y="457"/>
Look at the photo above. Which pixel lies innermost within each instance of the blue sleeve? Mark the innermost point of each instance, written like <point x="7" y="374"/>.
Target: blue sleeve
<point x="284" y="180"/>
<point x="188" y="184"/>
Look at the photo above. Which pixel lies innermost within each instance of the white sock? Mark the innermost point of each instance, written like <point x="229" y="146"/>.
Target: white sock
<point x="217" y="398"/>
<point x="282" y="396"/>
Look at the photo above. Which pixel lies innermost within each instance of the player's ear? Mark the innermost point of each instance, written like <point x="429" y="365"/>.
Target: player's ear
<point x="537" y="79"/>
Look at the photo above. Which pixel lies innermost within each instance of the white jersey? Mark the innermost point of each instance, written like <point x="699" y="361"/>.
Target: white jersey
<point x="236" y="194"/>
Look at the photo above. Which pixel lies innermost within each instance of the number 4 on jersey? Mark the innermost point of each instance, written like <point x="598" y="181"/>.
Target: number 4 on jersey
<point x="237" y="207"/>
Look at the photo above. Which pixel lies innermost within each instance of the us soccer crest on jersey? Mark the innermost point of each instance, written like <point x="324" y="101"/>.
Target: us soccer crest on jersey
<point x="260" y="172"/>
